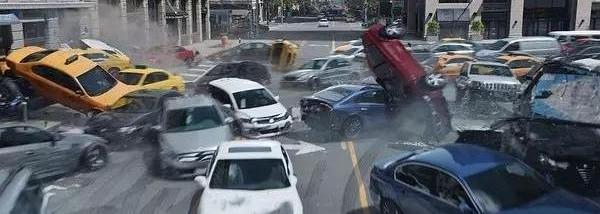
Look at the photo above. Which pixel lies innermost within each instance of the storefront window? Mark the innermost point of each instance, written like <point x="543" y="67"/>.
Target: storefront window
<point x="35" y="33"/>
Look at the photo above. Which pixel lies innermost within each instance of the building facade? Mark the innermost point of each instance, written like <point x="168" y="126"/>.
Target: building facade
<point x="502" y="18"/>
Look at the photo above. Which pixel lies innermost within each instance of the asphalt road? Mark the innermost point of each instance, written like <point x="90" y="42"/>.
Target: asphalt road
<point x="333" y="178"/>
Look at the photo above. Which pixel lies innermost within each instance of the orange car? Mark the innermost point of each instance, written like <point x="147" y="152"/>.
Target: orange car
<point x="448" y="64"/>
<point x="68" y="79"/>
<point x="519" y="64"/>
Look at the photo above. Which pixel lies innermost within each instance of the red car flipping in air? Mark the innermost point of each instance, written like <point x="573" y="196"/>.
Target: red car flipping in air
<point x="414" y="92"/>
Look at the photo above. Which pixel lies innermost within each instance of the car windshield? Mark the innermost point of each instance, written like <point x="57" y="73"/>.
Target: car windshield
<point x="314" y="64"/>
<point x="253" y="98"/>
<point x="193" y="118"/>
<point x="133" y="104"/>
<point x="96" y="81"/>
<point x="334" y="94"/>
<point x="495" y="70"/>
<point x="496" y="46"/>
<point x="249" y="174"/>
<point x="507" y="186"/>
<point x="129" y="78"/>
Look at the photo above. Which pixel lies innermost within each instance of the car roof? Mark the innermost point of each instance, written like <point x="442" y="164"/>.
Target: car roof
<point x="188" y="102"/>
<point x="141" y="71"/>
<point x="232" y="85"/>
<point x="487" y="63"/>
<point x="529" y="38"/>
<point x="250" y="149"/>
<point x="461" y="160"/>
<point x="58" y="58"/>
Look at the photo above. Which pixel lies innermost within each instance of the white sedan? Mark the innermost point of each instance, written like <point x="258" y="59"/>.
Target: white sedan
<point x="323" y="23"/>
<point x="252" y="176"/>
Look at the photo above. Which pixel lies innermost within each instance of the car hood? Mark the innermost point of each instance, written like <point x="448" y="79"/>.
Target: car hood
<point x="299" y="73"/>
<point x="198" y="140"/>
<point x="264" y="111"/>
<point x="284" y="200"/>
<point x="558" y="202"/>
<point x="494" y="79"/>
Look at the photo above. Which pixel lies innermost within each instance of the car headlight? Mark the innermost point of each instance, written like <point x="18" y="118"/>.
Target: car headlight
<point x="544" y="159"/>
<point x="127" y="129"/>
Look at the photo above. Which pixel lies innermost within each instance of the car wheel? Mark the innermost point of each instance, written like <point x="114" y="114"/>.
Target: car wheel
<point x="351" y="128"/>
<point x="314" y="84"/>
<point x="95" y="157"/>
<point x="388" y="207"/>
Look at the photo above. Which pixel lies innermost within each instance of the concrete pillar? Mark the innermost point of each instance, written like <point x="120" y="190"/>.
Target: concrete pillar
<point x="179" y="22"/>
<point x="146" y="15"/>
<point x="123" y="7"/>
<point x="84" y="24"/>
<point x="260" y="10"/>
<point x="199" y="19"/>
<point x="515" y="26"/>
<point x="411" y="18"/>
<point x="162" y="21"/>
<point x="52" y="41"/>
<point x="582" y="15"/>
<point x="17" y="34"/>
<point x="189" y="23"/>
<point x="94" y="27"/>
<point x="207" y="19"/>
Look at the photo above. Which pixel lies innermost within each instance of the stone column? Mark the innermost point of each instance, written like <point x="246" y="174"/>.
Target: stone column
<point x="189" y="23"/>
<point x="146" y="15"/>
<point x="52" y="41"/>
<point x="123" y="7"/>
<point x="515" y="26"/>
<point x="199" y="19"/>
<point x="207" y="19"/>
<point x="179" y="22"/>
<point x="17" y="34"/>
<point x="582" y="15"/>
<point x="162" y="21"/>
<point x="94" y="27"/>
<point x="260" y="10"/>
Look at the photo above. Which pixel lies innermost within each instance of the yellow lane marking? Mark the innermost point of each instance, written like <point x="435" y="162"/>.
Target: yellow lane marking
<point x="362" y="193"/>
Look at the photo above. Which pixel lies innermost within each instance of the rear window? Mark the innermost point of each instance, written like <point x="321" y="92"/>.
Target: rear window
<point x="37" y="56"/>
<point x="129" y="78"/>
<point x="334" y="94"/>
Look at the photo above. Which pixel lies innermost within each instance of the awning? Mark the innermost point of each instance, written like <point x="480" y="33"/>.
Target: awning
<point x="450" y="15"/>
<point x="175" y="13"/>
<point x="9" y="19"/>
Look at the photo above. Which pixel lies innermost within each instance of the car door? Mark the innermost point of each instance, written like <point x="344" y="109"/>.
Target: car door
<point x="62" y="88"/>
<point x="414" y="185"/>
<point x="371" y="107"/>
<point x="331" y="72"/>
<point x="157" y="80"/>
<point x="450" y="195"/>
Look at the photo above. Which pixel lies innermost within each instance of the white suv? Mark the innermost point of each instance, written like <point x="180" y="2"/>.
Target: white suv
<point x="259" y="112"/>
<point x="252" y="176"/>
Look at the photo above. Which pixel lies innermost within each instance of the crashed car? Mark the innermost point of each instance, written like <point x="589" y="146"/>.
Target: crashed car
<point x="133" y="120"/>
<point x="346" y="109"/>
<point x="564" y="152"/>
<point x="519" y="63"/>
<point x="113" y="63"/>
<point x="447" y="64"/>
<point x="18" y="194"/>
<point x="254" y="51"/>
<point x="151" y="78"/>
<point x="321" y="72"/>
<point x="249" y="70"/>
<point x="191" y="128"/>
<point x="486" y="81"/>
<point x="405" y="79"/>
<point x="10" y="97"/>
<point x="48" y="153"/>
<point x="67" y="78"/>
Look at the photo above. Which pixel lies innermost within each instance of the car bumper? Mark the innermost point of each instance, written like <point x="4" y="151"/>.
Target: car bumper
<point x="253" y="130"/>
<point x="321" y="122"/>
<point x="179" y="169"/>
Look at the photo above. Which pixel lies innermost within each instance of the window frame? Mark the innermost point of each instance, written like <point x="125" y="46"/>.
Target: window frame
<point x="154" y="77"/>
<point x="357" y="98"/>
<point x="49" y="135"/>
<point x="34" y="69"/>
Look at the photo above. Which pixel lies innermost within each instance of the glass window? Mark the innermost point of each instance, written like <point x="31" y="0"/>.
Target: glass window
<point x="37" y="56"/>
<point x="507" y="186"/>
<point x="155" y="77"/>
<point x="450" y="190"/>
<point x="497" y="45"/>
<point x="458" y="60"/>
<point x="334" y="94"/>
<point x="423" y="178"/>
<point x="371" y="97"/>
<point x="249" y="174"/>
<point x="219" y="95"/>
<point x="314" y="64"/>
<point x="482" y="69"/>
<point x="253" y="98"/>
<point x="57" y="77"/>
<point x="536" y="45"/>
<point x="195" y="118"/>
<point x="513" y="47"/>
<point x="22" y="135"/>
<point x="129" y="78"/>
<point x="96" y="81"/>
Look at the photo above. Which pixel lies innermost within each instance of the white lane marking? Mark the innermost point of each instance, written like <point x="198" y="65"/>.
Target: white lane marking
<point x="332" y="44"/>
<point x="303" y="147"/>
<point x="343" y="145"/>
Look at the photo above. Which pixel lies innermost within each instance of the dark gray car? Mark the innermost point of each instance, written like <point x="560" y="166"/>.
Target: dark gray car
<point x="47" y="153"/>
<point x="322" y="72"/>
<point x="244" y="70"/>
<point x="191" y="129"/>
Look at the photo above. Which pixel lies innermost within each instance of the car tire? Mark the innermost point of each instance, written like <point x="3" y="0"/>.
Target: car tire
<point x="388" y="207"/>
<point x="351" y="128"/>
<point x="95" y="157"/>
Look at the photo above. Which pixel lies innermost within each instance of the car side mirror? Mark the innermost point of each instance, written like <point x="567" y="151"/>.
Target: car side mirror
<point x="228" y="120"/>
<point x="543" y="95"/>
<point x="293" y="180"/>
<point x="227" y="106"/>
<point x="201" y="180"/>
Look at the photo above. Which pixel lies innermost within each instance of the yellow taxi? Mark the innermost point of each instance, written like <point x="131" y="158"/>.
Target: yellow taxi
<point x="448" y="64"/>
<point x="519" y="64"/>
<point x="151" y="78"/>
<point x="67" y="78"/>
<point x="113" y="63"/>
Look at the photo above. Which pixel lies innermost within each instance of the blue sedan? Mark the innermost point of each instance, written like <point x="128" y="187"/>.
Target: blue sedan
<point x="461" y="178"/>
<point x="346" y="108"/>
